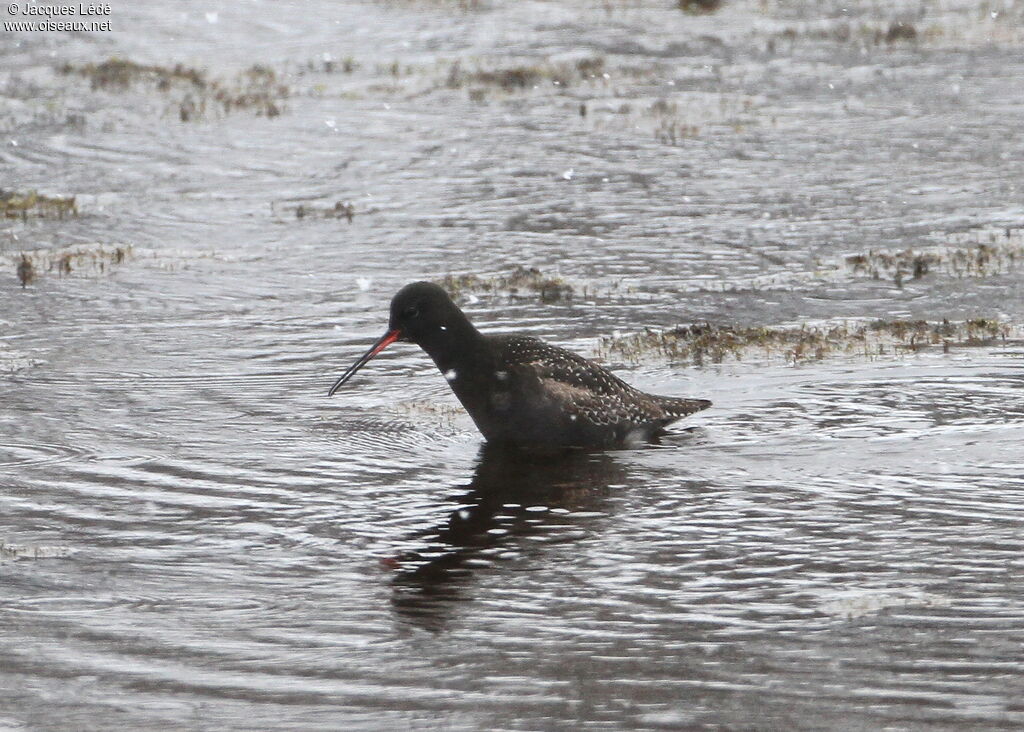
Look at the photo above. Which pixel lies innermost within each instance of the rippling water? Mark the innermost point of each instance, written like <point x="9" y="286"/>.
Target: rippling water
<point x="193" y="536"/>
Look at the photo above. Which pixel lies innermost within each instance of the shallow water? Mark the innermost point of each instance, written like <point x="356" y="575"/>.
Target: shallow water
<point x="193" y="536"/>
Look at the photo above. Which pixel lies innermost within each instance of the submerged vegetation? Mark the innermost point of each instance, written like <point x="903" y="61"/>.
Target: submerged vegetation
<point x="526" y="76"/>
<point x="675" y="119"/>
<point x="26" y="551"/>
<point x="972" y="254"/>
<point x="256" y="89"/>
<point x="700" y="344"/>
<point x="521" y="279"/>
<point x="670" y="128"/>
<point x="979" y="253"/>
<point x="95" y="258"/>
<point x="699" y="7"/>
<point x="118" y="73"/>
<point x="338" y="210"/>
<point x="26" y="270"/>
<point x="23" y="205"/>
<point x="865" y="33"/>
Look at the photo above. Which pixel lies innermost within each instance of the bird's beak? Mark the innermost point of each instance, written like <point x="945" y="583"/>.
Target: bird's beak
<point x="383" y="342"/>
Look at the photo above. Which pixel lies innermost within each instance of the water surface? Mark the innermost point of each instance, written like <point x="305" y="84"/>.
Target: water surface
<point x="194" y="537"/>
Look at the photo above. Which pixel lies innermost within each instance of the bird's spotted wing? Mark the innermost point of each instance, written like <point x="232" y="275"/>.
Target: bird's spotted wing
<point x="583" y="388"/>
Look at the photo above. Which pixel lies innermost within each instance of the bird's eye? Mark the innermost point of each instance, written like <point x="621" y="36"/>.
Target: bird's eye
<point x="411" y="312"/>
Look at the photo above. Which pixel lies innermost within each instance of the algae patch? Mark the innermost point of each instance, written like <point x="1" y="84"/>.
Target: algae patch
<point x="338" y="210"/>
<point x="699" y="7"/>
<point x="707" y="343"/>
<point x="26" y="551"/>
<point x="528" y="75"/>
<point x="87" y="258"/>
<point x="521" y="279"/>
<point x="33" y="204"/>
<point x="935" y="25"/>
<point x="257" y="89"/>
<point x="679" y="118"/>
<point x="874" y="32"/>
<point x="118" y="73"/>
<point x="979" y="253"/>
<point x="973" y="254"/>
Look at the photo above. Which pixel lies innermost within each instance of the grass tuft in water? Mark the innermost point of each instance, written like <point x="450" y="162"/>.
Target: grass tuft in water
<point x="256" y="89"/>
<point x="707" y="343"/>
<point x="93" y="259"/>
<point x="525" y="76"/>
<point x="900" y="31"/>
<point x="338" y="210"/>
<point x="529" y="279"/>
<point x="699" y="7"/>
<point x="23" y="205"/>
<point x="26" y="271"/>
<point x="118" y="73"/>
<point x="865" y="33"/>
<point x="981" y="253"/>
<point x="25" y="551"/>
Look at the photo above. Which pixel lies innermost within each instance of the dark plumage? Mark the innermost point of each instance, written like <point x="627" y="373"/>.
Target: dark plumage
<point x="520" y="390"/>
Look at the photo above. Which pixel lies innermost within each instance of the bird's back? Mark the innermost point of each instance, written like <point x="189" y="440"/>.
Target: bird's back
<point x="543" y="394"/>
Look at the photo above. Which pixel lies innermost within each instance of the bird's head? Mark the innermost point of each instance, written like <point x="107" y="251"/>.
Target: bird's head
<point x="421" y="313"/>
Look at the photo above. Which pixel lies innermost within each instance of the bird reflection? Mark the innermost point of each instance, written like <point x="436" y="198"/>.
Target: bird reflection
<point x="513" y="495"/>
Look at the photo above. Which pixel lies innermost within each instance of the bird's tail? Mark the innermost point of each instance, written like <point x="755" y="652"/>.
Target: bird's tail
<point x="677" y="408"/>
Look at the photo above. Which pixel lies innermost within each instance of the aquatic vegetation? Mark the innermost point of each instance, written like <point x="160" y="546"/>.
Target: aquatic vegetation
<point x="900" y="31"/>
<point x="527" y="76"/>
<point x="707" y="343"/>
<point x="26" y="270"/>
<point x="118" y="73"/>
<point x="329" y="65"/>
<point x="978" y="253"/>
<point x="257" y="89"/>
<point x="91" y="258"/>
<point x="461" y="5"/>
<point x="680" y="117"/>
<point x="26" y="551"/>
<point x="23" y="205"/>
<point x="873" y="33"/>
<point x="480" y="78"/>
<point x="669" y="127"/>
<point x="930" y="25"/>
<point x="529" y="279"/>
<point x="699" y="7"/>
<point x="339" y="210"/>
<point x="96" y="259"/>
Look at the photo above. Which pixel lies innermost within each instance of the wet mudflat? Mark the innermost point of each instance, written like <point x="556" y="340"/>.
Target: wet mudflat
<point x="810" y="213"/>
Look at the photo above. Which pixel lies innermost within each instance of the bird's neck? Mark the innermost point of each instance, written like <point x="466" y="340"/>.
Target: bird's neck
<point x="458" y="345"/>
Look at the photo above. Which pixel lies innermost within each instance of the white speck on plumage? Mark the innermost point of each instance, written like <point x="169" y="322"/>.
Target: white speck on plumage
<point x="501" y="375"/>
<point x="444" y="327"/>
<point x="451" y="374"/>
